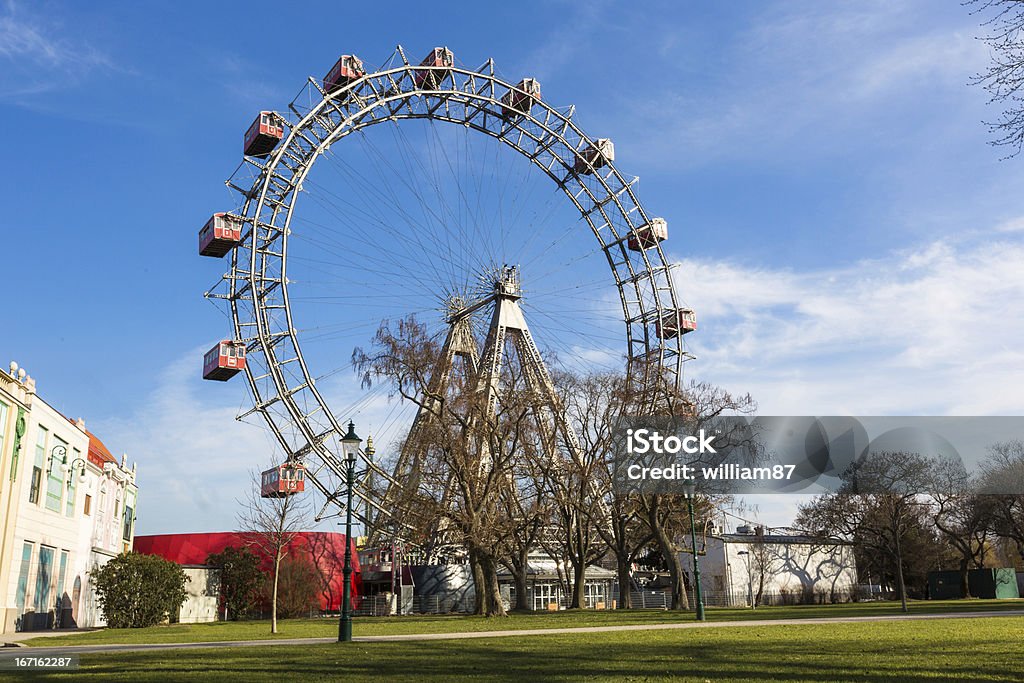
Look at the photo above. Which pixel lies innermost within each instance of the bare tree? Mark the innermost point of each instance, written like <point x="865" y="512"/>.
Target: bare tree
<point x="961" y="515"/>
<point x="579" y="485"/>
<point x="764" y="562"/>
<point x="1004" y="77"/>
<point x="1002" y="482"/>
<point x="877" y="507"/>
<point x="700" y="405"/>
<point x="470" y="453"/>
<point x="269" y="526"/>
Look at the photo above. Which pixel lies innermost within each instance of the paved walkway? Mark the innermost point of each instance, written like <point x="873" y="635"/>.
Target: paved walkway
<point x="42" y="651"/>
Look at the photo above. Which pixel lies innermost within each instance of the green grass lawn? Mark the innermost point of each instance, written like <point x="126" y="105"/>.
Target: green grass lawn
<point x="973" y="649"/>
<point x="325" y="628"/>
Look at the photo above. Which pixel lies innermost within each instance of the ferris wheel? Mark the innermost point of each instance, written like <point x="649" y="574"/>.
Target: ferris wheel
<point x="432" y="189"/>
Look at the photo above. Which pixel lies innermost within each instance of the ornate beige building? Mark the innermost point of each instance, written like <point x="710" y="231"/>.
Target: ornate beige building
<point x="66" y="506"/>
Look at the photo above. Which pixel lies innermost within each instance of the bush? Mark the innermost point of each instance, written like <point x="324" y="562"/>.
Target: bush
<point x="240" y="580"/>
<point x="137" y="590"/>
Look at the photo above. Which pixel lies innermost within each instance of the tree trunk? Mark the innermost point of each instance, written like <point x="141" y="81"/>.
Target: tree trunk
<point x="579" y="584"/>
<point x="965" y="588"/>
<point x="899" y="576"/>
<point x="273" y="599"/>
<point x="519" y="567"/>
<point x="680" y="600"/>
<point x="492" y="596"/>
<point x="479" y="582"/>
<point x="625" y="581"/>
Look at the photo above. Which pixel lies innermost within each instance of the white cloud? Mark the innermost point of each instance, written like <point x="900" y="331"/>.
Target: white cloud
<point x="37" y="56"/>
<point x="819" y="76"/>
<point x="926" y="331"/>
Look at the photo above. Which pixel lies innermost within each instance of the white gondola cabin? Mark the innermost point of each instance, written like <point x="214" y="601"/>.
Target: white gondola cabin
<point x="220" y="234"/>
<point x="648" y="235"/>
<point x="224" y="360"/>
<point x="283" y="480"/>
<point x="347" y="69"/>
<point x="595" y="156"/>
<point x="683" y="321"/>
<point x="521" y="99"/>
<point x="264" y="134"/>
<point x="432" y="78"/>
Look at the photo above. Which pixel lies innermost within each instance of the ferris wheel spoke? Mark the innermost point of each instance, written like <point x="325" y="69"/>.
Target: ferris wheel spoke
<point x="386" y="226"/>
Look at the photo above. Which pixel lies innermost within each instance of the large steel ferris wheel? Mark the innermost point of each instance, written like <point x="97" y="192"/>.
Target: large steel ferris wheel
<point x="273" y="251"/>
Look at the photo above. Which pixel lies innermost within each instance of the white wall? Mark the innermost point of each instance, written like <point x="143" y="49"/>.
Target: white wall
<point x="801" y="567"/>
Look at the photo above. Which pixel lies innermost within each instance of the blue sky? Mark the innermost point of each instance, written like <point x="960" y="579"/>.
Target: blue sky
<point x="848" y="238"/>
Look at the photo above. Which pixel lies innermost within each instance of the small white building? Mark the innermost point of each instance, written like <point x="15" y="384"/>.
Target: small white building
<point x="202" y="594"/>
<point x="772" y="568"/>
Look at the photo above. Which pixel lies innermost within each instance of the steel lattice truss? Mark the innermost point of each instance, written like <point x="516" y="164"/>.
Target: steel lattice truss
<point x="283" y="387"/>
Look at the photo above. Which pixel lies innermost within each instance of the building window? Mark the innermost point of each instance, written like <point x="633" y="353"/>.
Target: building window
<point x="44" y="580"/>
<point x="72" y="486"/>
<point x="593" y="593"/>
<point x="544" y="594"/>
<point x="33" y="489"/>
<point x="37" y="468"/>
<point x="61" y="577"/>
<point x="128" y="519"/>
<point x="87" y="507"/>
<point x="26" y="564"/>
<point x="55" y="482"/>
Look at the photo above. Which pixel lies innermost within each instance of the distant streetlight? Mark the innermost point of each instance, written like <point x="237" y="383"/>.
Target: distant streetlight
<point x="750" y="579"/>
<point x="690" y="490"/>
<point x="350" y="445"/>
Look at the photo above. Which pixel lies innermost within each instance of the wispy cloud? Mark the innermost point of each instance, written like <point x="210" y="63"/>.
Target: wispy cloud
<point x="930" y="330"/>
<point x="814" y="77"/>
<point x="38" y="55"/>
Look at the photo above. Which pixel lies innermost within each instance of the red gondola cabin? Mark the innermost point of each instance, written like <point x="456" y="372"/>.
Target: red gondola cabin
<point x="264" y="134"/>
<point x="284" y="480"/>
<point x="224" y="360"/>
<point x="672" y="325"/>
<point x="348" y="68"/>
<point x="520" y="99"/>
<point x="646" y="236"/>
<point x="432" y="78"/>
<point x="595" y="156"/>
<point x="222" y="232"/>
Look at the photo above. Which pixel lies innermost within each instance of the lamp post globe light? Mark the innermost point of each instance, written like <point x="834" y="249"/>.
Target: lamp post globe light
<point x="58" y="455"/>
<point x="750" y="579"/>
<point x="350" y="446"/>
<point x="690" y="490"/>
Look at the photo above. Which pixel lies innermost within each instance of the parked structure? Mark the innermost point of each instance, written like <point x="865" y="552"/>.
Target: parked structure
<point x="756" y="566"/>
<point x="999" y="582"/>
<point x="68" y="506"/>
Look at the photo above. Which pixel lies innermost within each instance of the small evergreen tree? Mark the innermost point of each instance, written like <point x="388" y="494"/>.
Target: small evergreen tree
<point x="136" y="590"/>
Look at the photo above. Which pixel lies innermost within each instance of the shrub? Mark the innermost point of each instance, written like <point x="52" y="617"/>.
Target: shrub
<point x="136" y="590"/>
<point x="240" y="580"/>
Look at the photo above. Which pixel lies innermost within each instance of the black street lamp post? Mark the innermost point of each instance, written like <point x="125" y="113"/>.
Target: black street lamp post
<point x="350" y="445"/>
<point x="689" y="489"/>
<point x="750" y="578"/>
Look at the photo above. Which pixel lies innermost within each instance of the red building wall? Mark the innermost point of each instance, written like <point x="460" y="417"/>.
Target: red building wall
<point x="326" y="550"/>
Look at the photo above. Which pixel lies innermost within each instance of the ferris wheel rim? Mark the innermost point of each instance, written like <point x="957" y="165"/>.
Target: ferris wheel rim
<point x="484" y="93"/>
